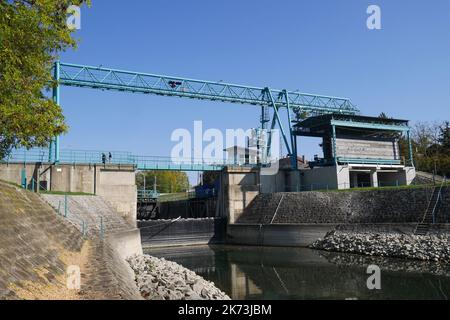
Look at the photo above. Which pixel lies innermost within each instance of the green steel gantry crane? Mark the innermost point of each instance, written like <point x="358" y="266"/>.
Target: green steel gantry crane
<point x="127" y="81"/>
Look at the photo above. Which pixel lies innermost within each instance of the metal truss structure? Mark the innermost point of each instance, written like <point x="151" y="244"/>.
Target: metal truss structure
<point x="135" y="82"/>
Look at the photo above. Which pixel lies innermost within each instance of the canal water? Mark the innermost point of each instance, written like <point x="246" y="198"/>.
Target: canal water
<point x="299" y="273"/>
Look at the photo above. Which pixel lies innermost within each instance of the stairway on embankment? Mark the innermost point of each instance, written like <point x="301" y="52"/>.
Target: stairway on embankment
<point x="37" y="246"/>
<point x="433" y="209"/>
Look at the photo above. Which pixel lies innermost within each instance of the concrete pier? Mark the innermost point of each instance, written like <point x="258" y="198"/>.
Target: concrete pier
<point x="115" y="183"/>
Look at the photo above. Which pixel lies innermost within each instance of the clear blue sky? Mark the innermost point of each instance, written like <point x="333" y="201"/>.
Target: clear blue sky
<point x="320" y="46"/>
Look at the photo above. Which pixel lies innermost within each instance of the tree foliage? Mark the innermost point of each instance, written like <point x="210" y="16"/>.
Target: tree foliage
<point x="431" y="147"/>
<point x="166" y="181"/>
<point x="210" y="177"/>
<point x="32" y="34"/>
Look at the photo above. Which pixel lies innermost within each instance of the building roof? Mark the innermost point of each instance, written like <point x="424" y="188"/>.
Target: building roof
<point x="319" y="125"/>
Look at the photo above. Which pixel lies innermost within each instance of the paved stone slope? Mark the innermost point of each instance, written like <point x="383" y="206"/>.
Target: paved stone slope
<point x="37" y="246"/>
<point x="375" y="206"/>
<point x="94" y="211"/>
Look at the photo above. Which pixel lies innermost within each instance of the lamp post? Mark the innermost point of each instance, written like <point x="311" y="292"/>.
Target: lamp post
<point x="143" y="174"/>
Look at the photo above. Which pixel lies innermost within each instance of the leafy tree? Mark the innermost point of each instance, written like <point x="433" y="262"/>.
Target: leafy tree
<point x="444" y="137"/>
<point x="383" y="116"/>
<point x="166" y="181"/>
<point x="209" y="177"/>
<point x="32" y="34"/>
<point x="431" y="147"/>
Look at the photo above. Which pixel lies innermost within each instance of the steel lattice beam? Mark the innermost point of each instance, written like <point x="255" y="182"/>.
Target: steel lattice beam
<point x="112" y="79"/>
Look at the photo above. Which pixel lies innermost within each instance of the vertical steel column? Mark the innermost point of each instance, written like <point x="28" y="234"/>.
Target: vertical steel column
<point x="334" y="146"/>
<point x="294" y="150"/>
<point x="56" y="99"/>
<point x="410" y="148"/>
<point x="50" y="151"/>
<point x="277" y="117"/>
<point x="264" y="117"/>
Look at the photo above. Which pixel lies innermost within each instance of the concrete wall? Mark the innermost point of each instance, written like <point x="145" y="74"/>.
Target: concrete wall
<point x="126" y="243"/>
<point x="273" y="183"/>
<point x="321" y="177"/>
<point x="343" y="177"/>
<point x="162" y="233"/>
<point x="277" y="235"/>
<point x="115" y="183"/>
<point x="118" y="186"/>
<point x="286" y="180"/>
<point x="303" y="235"/>
<point x="13" y="172"/>
<point x="240" y="186"/>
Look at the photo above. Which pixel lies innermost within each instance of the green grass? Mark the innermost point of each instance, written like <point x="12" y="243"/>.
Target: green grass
<point x="173" y="197"/>
<point x="412" y="186"/>
<point x="62" y="193"/>
<point x="49" y="192"/>
<point x="11" y="183"/>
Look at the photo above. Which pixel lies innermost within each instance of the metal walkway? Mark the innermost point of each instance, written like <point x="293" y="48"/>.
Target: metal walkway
<point x="119" y="158"/>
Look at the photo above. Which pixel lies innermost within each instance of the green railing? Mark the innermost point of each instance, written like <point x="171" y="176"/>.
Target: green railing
<point x="369" y="161"/>
<point x="147" y="194"/>
<point x="122" y="158"/>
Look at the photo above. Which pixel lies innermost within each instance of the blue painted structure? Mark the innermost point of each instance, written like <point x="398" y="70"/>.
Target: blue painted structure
<point x="112" y="79"/>
<point x="119" y="158"/>
<point x="326" y="125"/>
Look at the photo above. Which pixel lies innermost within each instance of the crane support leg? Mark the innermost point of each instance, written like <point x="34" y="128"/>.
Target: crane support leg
<point x="278" y="120"/>
<point x="54" y="144"/>
<point x="293" y="154"/>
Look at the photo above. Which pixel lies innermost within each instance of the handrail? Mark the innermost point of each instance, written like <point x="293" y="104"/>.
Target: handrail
<point x="437" y="199"/>
<point x="122" y="158"/>
<point x="430" y="203"/>
<point x="276" y="211"/>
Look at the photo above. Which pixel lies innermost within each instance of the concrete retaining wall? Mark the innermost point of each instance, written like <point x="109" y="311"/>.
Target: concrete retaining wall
<point x="126" y="243"/>
<point x="116" y="183"/>
<point x="240" y="186"/>
<point x="277" y="235"/>
<point x="303" y="235"/>
<point x="157" y="233"/>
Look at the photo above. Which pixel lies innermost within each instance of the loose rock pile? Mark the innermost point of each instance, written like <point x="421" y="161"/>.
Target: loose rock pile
<point x="387" y="263"/>
<point x="426" y="248"/>
<point x="159" y="279"/>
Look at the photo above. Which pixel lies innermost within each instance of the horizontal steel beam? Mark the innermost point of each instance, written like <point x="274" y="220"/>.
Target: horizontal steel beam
<point x="127" y="81"/>
<point x="368" y="125"/>
<point x="369" y="161"/>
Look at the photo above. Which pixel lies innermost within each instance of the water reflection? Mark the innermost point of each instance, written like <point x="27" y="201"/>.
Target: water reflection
<point x="297" y="273"/>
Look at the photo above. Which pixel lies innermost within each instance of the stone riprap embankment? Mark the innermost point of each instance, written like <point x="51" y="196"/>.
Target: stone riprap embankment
<point x="37" y="247"/>
<point x="403" y="205"/>
<point x="159" y="279"/>
<point x="425" y="248"/>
